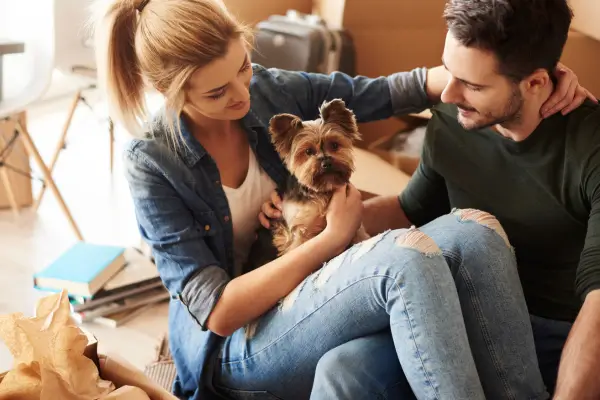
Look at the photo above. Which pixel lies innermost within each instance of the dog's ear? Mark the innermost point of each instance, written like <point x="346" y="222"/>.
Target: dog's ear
<point x="283" y="128"/>
<point x="336" y="112"/>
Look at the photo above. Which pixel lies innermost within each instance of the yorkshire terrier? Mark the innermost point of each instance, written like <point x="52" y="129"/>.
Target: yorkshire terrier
<point x="319" y="156"/>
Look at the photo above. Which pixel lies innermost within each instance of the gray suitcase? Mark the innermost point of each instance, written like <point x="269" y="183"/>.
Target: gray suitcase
<point x="302" y="42"/>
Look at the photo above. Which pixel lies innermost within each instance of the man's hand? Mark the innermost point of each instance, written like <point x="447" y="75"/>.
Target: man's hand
<point x="580" y="361"/>
<point x="568" y="94"/>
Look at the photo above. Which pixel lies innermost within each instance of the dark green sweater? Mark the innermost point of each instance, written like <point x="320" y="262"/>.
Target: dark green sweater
<point x="545" y="191"/>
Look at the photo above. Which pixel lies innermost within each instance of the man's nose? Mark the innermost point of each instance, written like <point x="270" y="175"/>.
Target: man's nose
<point x="451" y="93"/>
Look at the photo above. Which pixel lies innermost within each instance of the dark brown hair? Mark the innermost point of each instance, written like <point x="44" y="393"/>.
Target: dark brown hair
<point x="525" y="35"/>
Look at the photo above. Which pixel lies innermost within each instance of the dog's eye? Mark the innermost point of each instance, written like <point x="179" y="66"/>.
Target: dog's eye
<point x="334" y="146"/>
<point x="310" y="152"/>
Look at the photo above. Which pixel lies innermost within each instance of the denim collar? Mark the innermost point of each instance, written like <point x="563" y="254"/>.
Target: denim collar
<point x="190" y="149"/>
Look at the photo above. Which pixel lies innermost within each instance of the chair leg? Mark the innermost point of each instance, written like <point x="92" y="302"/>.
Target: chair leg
<point x="59" y="146"/>
<point x="48" y="180"/>
<point x="111" y="132"/>
<point x="9" y="192"/>
<point x="12" y="200"/>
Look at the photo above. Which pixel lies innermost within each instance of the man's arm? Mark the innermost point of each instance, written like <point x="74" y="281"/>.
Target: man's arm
<point x="580" y="361"/>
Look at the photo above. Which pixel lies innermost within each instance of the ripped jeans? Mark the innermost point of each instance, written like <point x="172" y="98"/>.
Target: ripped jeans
<point x="431" y="313"/>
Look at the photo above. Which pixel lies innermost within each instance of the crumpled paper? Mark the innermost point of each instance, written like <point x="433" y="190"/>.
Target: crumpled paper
<point x="49" y="360"/>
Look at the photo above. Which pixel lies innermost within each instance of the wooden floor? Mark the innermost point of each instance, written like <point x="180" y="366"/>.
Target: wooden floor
<point x="100" y="204"/>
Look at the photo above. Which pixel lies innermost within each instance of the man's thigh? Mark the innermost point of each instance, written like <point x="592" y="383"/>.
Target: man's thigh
<point x="550" y="337"/>
<point x="364" y="368"/>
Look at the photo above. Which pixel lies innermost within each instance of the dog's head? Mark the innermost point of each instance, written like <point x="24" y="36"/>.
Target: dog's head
<point x="319" y="152"/>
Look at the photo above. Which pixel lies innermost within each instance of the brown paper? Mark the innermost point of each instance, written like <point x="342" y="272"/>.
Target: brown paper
<point x="127" y="393"/>
<point x="48" y="351"/>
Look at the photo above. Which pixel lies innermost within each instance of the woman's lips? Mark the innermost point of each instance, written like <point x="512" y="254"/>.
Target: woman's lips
<point x="238" y="106"/>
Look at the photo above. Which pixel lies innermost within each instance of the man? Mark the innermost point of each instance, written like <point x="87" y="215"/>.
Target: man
<point x="488" y="147"/>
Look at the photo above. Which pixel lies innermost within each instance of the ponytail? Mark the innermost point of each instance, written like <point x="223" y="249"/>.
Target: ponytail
<point x="162" y="45"/>
<point x="119" y="72"/>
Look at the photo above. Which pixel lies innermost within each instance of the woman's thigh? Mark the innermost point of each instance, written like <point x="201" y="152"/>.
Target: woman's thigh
<point x="398" y="278"/>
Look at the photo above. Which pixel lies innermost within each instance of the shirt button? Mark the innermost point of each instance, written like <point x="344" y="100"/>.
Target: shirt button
<point x="207" y="227"/>
<point x="217" y="182"/>
<point x="226" y="218"/>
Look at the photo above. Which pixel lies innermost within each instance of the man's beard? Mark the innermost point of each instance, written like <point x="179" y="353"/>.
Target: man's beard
<point x="509" y="116"/>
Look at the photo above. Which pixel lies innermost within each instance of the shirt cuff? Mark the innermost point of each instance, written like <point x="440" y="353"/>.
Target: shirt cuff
<point x="408" y="92"/>
<point x="202" y="292"/>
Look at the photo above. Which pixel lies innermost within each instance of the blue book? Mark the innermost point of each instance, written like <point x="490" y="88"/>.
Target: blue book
<point x="82" y="270"/>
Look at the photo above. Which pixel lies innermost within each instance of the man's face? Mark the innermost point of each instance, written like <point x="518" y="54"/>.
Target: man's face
<point x="483" y="96"/>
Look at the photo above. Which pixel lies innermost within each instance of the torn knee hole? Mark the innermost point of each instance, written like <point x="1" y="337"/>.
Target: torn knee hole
<point x="415" y="239"/>
<point x="485" y="219"/>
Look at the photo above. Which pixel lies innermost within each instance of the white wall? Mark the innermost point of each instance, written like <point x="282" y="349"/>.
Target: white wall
<point x="18" y="21"/>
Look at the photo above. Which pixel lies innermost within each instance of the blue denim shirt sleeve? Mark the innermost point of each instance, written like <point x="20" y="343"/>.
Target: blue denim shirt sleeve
<point x="370" y="98"/>
<point x="186" y="265"/>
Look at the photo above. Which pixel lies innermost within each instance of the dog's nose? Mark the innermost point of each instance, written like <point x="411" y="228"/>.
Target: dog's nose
<point x="326" y="164"/>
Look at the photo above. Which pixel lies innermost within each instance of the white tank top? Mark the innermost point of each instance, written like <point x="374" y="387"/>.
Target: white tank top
<point x="245" y="203"/>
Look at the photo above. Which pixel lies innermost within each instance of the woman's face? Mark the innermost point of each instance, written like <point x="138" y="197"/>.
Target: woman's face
<point x="220" y="89"/>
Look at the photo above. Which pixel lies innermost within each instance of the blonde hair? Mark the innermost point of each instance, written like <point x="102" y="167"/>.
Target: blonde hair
<point x="161" y="45"/>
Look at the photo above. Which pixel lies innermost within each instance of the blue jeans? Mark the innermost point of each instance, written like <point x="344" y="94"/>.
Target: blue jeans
<point x="437" y="311"/>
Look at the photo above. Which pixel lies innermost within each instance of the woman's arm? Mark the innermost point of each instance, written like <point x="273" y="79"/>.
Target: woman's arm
<point x="191" y="272"/>
<point x="370" y="98"/>
<point x="252" y="294"/>
<point x="397" y="94"/>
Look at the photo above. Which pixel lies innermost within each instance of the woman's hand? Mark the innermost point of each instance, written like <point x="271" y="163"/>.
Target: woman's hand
<point x="344" y="215"/>
<point x="568" y="93"/>
<point x="270" y="210"/>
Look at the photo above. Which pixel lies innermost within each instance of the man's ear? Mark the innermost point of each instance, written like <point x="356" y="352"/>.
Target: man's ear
<point x="537" y="81"/>
<point x="283" y="128"/>
<point x="336" y="112"/>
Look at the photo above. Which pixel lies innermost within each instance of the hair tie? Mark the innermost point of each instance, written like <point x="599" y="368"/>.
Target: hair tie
<point x="142" y="5"/>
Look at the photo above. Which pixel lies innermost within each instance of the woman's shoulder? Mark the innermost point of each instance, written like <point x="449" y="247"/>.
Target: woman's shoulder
<point x="151" y="153"/>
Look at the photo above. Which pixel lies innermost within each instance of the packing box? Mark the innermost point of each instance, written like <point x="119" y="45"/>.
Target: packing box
<point x="582" y="55"/>
<point x="586" y="17"/>
<point x="254" y="11"/>
<point x="389" y="180"/>
<point x="389" y="14"/>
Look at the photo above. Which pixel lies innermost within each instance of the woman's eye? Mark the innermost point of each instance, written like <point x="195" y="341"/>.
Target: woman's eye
<point x="218" y="95"/>
<point x="246" y="67"/>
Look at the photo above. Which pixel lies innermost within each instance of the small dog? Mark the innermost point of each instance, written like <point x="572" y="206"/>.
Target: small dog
<point x="319" y="156"/>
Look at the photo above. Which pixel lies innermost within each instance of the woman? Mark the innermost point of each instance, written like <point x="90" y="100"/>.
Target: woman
<point x="381" y="319"/>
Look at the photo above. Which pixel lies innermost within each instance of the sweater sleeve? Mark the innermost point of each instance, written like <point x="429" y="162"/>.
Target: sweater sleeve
<point x="588" y="271"/>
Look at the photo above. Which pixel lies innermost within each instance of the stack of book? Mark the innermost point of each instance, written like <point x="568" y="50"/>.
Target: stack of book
<point x="109" y="285"/>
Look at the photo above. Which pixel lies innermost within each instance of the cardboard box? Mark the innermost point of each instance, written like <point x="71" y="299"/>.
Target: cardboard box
<point x="586" y="17"/>
<point x="254" y="11"/>
<point x="582" y="55"/>
<point x="19" y="160"/>
<point x="390" y="181"/>
<point x="389" y="14"/>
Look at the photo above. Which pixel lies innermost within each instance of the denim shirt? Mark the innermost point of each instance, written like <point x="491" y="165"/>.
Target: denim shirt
<point x="183" y="214"/>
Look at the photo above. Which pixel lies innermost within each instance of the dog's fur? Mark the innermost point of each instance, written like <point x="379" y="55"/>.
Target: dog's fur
<point x="319" y="156"/>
